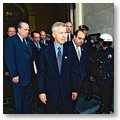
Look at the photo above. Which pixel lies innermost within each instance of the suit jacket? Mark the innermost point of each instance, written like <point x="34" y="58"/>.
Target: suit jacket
<point x="52" y="83"/>
<point x="72" y="36"/>
<point x="82" y="62"/>
<point x="47" y="42"/>
<point x="36" y="52"/>
<point x="5" y="69"/>
<point x="105" y="67"/>
<point x="19" y="59"/>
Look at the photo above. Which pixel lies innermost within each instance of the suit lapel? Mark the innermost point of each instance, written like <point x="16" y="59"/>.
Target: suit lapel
<point x="53" y="58"/>
<point x="21" y="44"/>
<point x="65" y="57"/>
<point x="63" y="60"/>
<point x="75" y="52"/>
<point x="28" y="46"/>
<point x="82" y="53"/>
<point x="26" y="49"/>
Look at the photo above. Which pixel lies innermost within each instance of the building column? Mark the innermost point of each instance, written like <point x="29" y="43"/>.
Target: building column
<point x="78" y="15"/>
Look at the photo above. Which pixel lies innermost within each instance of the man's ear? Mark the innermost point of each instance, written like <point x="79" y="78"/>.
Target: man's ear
<point x="18" y="29"/>
<point x="74" y="37"/>
<point x="53" y="34"/>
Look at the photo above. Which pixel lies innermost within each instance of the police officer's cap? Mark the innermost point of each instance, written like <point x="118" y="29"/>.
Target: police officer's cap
<point x="106" y="37"/>
<point x="83" y="27"/>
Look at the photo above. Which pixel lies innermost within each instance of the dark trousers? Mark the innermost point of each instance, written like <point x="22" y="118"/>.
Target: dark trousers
<point x="106" y="95"/>
<point x="8" y="92"/>
<point x="59" y="108"/>
<point x="37" y="104"/>
<point x="5" y="88"/>
<point x="89" y="86"/>
<point x="23" y="96"/>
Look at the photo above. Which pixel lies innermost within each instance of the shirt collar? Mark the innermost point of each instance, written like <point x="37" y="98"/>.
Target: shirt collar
<point x="76" y="45"/>
<point x="20" y="37"/>
<point x="56" y="47"/>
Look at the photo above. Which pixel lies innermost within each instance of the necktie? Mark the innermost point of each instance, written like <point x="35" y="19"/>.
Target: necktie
<point x="44" y="41"/>
<point x="68" y="39"/>
<point x="78" y="52"/>
<point x="24" y="42"/>
<point x="59" y="59"/>
<point x="38" y="46"/>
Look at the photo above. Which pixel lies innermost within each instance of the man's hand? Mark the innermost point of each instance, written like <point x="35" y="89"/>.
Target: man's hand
<point x="15" y="79"/>
<point x="74" y="95"/>
<point x="43" y="98"/>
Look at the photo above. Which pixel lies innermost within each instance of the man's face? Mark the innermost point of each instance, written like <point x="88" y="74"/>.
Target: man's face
<point x="11" y="31"/>
<point x="68" y="27"/>
<point x="36" y="37"/>
<point x="79" y="39"/>
<point x="100" y="42"/>
<point x="60" y="35"/>
<point x="24" y="30"/>
<point x="42" y="35"/>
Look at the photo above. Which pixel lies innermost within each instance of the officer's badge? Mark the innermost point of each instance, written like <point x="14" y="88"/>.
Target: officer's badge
<point x="110" y="56"/>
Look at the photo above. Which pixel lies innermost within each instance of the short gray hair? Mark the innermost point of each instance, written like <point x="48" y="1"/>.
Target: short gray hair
<point x="20" y="24"/>
<point x="57" y="24"/>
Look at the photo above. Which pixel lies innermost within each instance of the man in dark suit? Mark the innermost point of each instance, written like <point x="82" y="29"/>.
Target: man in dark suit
<point x="18" y="56"/>
<point x="43" y="38"/>
<point x="58" y="74"/>
<point x="80" y="53"/>
<point x="36" y="45"/>
<point x="69" y="31"/>
<point x="7" y="91"/>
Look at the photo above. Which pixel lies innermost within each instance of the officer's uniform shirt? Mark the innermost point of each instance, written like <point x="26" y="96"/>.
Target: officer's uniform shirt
<point x="105" y="62"/>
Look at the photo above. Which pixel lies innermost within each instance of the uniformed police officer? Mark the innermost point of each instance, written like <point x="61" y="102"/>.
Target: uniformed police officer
<point x="105" y="78"/>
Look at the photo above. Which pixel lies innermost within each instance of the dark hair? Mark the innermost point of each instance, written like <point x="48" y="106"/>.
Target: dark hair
<point x="11" y="26"/>
<point x="76" y="32"/>
<point x="106" y="44"/>
<point x="32" y="33"/>
<point x="99" y="39"/>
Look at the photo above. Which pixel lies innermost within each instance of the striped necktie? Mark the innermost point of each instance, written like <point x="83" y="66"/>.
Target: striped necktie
<point x="78" y="52"/>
